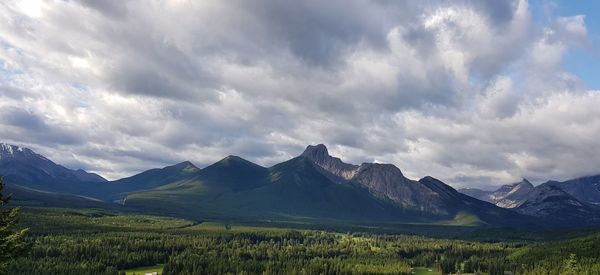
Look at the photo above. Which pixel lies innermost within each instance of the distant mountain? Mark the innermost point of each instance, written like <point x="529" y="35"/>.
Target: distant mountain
<point x="296" y="189"/>
<point x="477" y="193"/>
<point x="234" y="187"/>
<point x="22" y="166"/>
<point x="315" y="185"/>
<point x="586" y="189"/>
<point x="554" y="205"/>
<point x="487" y="212"/>
<point x="386" y="181"/>
<point x="36" y="176"/>
<point x="513" y="195"/>
<point x="550" y="201"/>
<point x="231" y="174"/>
<point x="27" y="166"/>
<point x="147" y="180"/>
<point x="507" y="196"/>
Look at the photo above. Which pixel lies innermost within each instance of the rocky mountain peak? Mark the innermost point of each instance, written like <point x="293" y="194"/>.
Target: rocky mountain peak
<point x="380" y="176"/>
<point x="512" y="195"/>
<point x="586" y="189"/>
<point x="319" y="155"/>
<point x="383" y="168"/>
<point x="316" y="153"/>
<point x="8" y="151"/>
<point x="507" y="189"/>
<point x="186" y="165"/>
<point x="553" y="203"/>
<point x="523" y="184"/>
<point x="45" y="169"/>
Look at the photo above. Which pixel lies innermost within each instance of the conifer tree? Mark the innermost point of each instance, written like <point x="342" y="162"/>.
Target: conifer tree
<point x="570" y="267"/>
<point x="11" y="241"/>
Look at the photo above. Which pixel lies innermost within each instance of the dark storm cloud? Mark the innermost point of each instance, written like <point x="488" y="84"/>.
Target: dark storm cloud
<point x="22" y="118"/>
<point x="30" y="127"/>
<point x="321" y="33"/>
<point x="142" y="81"/>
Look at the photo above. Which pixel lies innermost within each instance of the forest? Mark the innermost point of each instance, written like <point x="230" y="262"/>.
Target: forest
<point x="96" y="241"/>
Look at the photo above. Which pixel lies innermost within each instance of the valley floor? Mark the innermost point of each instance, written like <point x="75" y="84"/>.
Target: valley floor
<point x="95" y="241"/>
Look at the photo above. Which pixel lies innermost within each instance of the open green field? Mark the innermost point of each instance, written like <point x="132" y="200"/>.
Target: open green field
<point x="97" y="241"/>
<point x="145" y="269"/>
<point x="424" y="271"/>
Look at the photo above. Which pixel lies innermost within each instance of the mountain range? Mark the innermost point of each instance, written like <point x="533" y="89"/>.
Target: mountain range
<point x="314" y="186"/>
<point x="22" y="166"/>
<point x="574" y="202"/>
<point x="507" y="196"/>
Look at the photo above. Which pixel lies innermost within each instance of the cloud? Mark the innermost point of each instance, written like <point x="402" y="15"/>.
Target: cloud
<point x="471" y="92"/>
<point x="18" y="123"/>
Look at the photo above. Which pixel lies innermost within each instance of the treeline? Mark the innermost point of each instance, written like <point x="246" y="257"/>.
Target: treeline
<point x="290" y="252"/>
<point x="106" y="244"/>
<point x="102" y="253"/>
<point x="572" y="256"/>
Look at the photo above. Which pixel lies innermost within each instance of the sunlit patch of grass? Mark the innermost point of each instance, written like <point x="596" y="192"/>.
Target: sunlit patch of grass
<point x="145" y="269"/>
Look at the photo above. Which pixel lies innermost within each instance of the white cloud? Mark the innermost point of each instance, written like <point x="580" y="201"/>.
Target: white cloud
<point x="471" y="92"/>
<point x="32" y="8"/>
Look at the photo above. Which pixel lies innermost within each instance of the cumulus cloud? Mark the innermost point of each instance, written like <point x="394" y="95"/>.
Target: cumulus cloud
<point x="471" y="92"/>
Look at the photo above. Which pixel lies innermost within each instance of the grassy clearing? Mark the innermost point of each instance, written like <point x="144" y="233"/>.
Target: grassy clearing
<point x="424" y="271"/>
<point x="93" y="220"/>
<point x="464" y="219"/>
<point x="145" y="269"/>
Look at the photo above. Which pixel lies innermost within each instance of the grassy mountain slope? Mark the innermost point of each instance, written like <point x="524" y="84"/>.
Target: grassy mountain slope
<point x="188" y="196"/>
<point x="296" y="190"/>
<point x="25" y="196"/>
<point x="148" y="180"/>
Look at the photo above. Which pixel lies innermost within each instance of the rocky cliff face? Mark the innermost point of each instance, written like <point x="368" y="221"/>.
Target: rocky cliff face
<point x="387" y="181"/>
<point x="513" y="195"/>
<point x="553" y="204"/>
<point x="320" y="156"/>
<point x="384" y="181"/>
<point x="507" y="196"/>
<point x="585" y="189"/>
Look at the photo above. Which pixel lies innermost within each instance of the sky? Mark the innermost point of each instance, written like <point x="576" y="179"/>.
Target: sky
<point x="475" y="93"/>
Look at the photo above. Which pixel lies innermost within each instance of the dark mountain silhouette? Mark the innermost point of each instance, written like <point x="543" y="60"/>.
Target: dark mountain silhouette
<point x="23" y="167"/>
<point x="316" y="185"/>
<point x="312" y="186"/>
